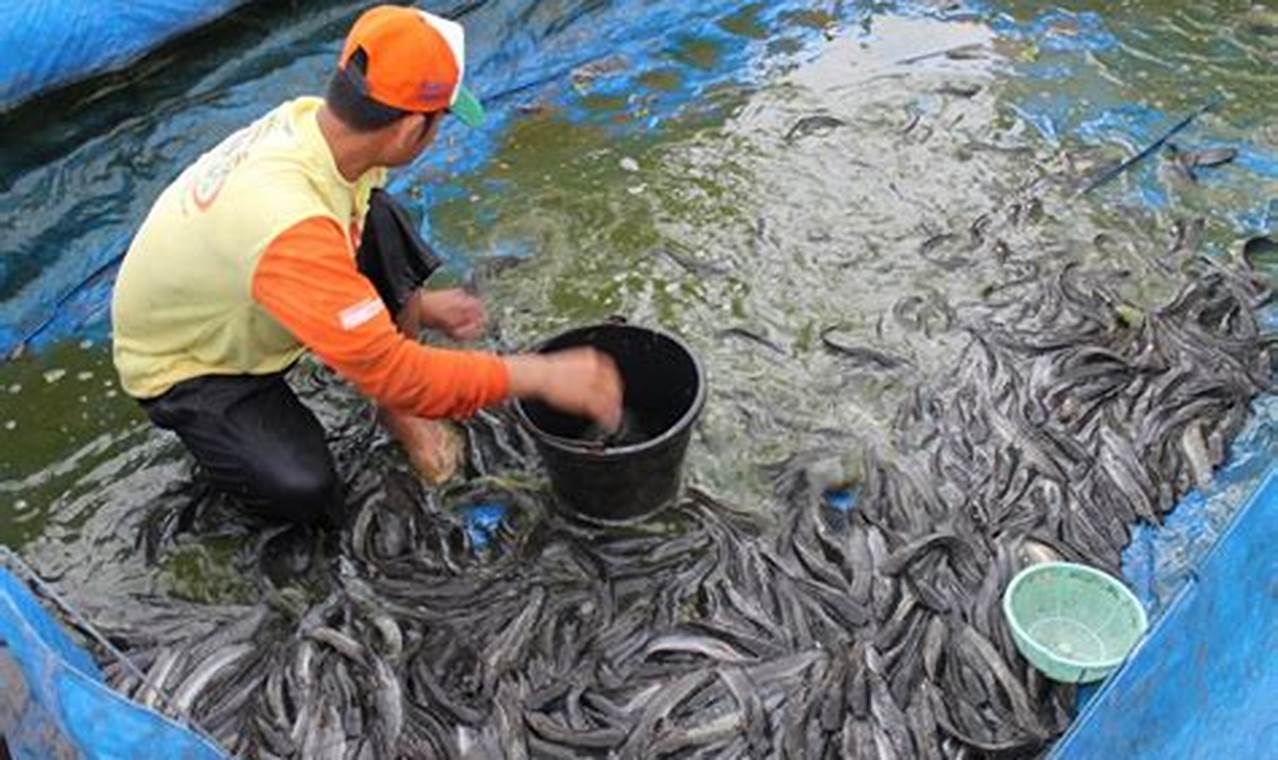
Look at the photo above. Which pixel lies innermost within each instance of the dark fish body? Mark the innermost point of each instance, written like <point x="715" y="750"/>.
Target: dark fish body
<point x="755" y="337"/>
<point x="340" y="643"/>
<point x="629" y="432"/>
<point x="704" y="646"/>
<point x="1211" y="157"/>
<point x="863" y="355"/>
<point x="961" y="90"/>
<point x="812" y="124"/>
<point x="1260" y="251"/>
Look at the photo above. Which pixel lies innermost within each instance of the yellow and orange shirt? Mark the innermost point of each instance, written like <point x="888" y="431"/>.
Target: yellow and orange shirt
<point x="248" y="259"/>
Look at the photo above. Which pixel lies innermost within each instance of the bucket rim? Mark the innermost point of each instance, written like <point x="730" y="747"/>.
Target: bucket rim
<point x="684" y="422"/>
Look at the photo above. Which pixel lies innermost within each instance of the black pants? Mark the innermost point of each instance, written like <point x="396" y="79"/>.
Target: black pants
<point x="256" y="441"/>
<point x="252" y="435"/>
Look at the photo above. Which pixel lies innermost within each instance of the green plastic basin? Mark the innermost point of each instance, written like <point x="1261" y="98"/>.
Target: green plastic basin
<point x="1072" y="622"/>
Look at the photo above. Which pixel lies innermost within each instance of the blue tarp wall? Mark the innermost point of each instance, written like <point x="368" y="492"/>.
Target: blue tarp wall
<point x="60" y="705"/>
<point x="50" y="43"/>
<point x="1203" y="683"/>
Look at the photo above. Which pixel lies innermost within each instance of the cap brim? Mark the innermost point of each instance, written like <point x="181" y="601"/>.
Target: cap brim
<point x="467" y="108"/>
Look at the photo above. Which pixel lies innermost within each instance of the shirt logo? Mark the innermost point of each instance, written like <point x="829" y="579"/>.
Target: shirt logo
<point x="214" y="168"/>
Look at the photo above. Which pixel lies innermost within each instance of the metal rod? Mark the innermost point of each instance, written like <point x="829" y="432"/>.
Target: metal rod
<point x="1149" y="150"/>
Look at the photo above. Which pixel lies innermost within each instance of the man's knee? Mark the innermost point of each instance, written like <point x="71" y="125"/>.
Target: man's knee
<point x="301" y="493"/>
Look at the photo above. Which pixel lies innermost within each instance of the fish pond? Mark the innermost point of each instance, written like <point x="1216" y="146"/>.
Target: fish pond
<point x="883" y="229"/>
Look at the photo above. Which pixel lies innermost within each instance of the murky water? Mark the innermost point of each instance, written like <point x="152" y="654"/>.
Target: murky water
<point x="750" y="177"/>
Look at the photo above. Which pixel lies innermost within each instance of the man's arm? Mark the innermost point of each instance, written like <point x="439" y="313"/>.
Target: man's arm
<point x="307" y="279"/>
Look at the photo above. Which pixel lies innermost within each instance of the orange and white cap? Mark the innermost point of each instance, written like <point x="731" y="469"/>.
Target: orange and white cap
<point x="412" y="60"/>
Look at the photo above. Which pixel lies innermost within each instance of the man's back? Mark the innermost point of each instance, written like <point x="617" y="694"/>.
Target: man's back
<point x="183" y="304"/>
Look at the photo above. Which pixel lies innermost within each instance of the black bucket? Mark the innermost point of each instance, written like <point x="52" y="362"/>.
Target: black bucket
<point x="639" y="475"/>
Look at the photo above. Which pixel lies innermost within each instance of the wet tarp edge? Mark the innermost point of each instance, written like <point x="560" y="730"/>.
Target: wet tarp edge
<point x="63" y="702"/>
<point x="55" y="44"/>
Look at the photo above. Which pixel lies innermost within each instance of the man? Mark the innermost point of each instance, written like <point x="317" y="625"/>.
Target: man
<point x="250" y="258"/>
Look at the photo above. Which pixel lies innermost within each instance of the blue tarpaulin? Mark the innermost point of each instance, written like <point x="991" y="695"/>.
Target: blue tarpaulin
<point x="50" y="44"/>
<point x="1203" y="683"/>
<point x="55" y="703"/>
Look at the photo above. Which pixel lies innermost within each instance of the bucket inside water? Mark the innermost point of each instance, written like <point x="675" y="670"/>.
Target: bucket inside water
<point x="638" y="470"/>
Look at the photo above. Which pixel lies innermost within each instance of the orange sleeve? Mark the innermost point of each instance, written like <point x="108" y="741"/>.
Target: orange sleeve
<point x="307" y="279"/>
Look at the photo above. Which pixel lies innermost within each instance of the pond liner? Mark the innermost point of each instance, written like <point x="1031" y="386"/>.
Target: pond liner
<point x="51" y="45"/>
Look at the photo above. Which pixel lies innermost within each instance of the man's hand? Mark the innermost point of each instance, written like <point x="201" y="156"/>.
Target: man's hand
<point x="456" y="313"/>
<point x="434" y="447"/>
<point x="579" y="381"/>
